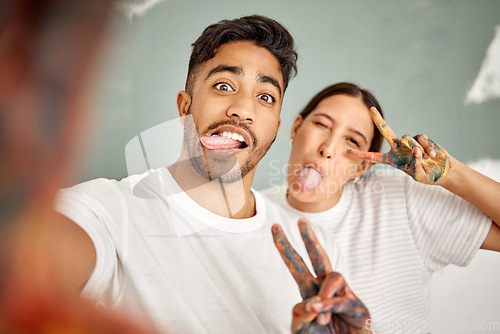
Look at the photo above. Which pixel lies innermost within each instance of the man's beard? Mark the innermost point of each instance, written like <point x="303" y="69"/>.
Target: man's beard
<point x="224" y="170"/>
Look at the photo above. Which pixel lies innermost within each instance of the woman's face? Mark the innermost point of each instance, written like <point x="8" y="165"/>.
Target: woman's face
<point x="319" y="165"/>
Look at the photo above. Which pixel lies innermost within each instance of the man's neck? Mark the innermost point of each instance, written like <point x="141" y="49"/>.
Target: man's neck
<point x="232" y="200"/>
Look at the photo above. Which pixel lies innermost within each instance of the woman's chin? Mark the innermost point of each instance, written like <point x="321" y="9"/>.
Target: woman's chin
<point x="320" y="198"/>
<point x="304" y="196"/>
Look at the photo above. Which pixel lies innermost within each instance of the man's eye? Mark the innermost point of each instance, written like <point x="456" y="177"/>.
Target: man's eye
<point x="224" y="87"/>
<point x="266" y="98"/>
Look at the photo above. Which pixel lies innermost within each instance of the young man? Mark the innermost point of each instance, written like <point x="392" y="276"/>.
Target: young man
<point x="190" y="246"/>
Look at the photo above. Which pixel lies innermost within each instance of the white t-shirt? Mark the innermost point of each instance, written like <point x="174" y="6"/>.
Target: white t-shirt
<point x="191" y="271"/>
<point x="394" y="232"/>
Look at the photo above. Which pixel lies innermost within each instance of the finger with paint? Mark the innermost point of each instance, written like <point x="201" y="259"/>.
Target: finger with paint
<point x="329" y="305"/>
<point x="348" y="313"/>
<point x="308" y="284"/>
<point x="421" y="158"/>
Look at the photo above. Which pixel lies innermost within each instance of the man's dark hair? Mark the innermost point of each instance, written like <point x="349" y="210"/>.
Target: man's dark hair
<point x="347" y="88"/>
<point x="262" y="31"/>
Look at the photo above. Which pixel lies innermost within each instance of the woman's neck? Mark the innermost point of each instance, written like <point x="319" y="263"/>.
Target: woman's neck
<point x="314" y="206"/>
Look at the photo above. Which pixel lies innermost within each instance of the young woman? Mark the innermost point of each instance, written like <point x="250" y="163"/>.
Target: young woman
<point x="395" y="226"/>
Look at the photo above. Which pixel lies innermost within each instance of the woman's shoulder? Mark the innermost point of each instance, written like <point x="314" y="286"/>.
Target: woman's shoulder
<point x="384" y="174"/>
<point x="379" y="181"/>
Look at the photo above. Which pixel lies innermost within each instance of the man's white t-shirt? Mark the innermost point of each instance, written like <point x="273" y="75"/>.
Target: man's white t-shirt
<point x="163" y="256"/>
<point x="393" y="233"/>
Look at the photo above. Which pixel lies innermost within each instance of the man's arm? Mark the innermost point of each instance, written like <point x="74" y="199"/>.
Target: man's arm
<point x="55" y="258"/>
<point x="70" y="253"/>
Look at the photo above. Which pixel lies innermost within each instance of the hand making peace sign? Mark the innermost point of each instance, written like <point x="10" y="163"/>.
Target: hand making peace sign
<point x="406" y="153"/>
<point x="329" y="305"/>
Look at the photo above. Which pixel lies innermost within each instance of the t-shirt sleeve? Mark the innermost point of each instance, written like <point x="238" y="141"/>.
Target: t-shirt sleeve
<point x="447" y="229"/>
<point x="87" y="213"/>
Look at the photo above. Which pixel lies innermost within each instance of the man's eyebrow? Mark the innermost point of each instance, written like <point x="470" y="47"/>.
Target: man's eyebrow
<point x="271" y="80"/>
<point x="350" y="129"/>
<point x="225" y="68"/>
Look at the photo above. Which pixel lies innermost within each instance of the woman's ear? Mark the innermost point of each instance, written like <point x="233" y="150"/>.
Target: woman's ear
<point x="183" y="103"/>
<point x="295" y="126"/>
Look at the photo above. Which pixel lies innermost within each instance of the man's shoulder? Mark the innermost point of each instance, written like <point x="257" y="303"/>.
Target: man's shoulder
<point x="273" y="206"/>
<point x="102" y="187"/>
<point x="276" y="194"/>
<point x="276" y="214"/>
<point x="90" y="187"/>
<point x="288" y="221"/>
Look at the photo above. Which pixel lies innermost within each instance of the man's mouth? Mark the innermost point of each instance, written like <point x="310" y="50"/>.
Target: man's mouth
<point x="226" y="140"/>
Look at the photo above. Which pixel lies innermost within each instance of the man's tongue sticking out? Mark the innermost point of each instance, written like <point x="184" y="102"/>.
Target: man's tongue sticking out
<point x="220" y="143"/>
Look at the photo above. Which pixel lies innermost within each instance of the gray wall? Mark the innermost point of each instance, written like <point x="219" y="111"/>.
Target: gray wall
<point x="419" y="57"/>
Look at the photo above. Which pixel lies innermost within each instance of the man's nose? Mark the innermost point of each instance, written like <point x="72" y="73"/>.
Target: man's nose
<point x="243" y="108"/>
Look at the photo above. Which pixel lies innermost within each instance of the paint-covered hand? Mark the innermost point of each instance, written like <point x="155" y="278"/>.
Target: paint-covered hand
<point x="421" y="158"/>
<point x="329" y="305"/>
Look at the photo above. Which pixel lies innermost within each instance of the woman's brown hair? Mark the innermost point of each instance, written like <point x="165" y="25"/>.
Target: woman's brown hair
<point x="346" y="88"/>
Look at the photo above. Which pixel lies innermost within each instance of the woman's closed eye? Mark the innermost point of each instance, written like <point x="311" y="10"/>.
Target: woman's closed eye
<point x="353" y="141"/>
<point x="321" y="124"/>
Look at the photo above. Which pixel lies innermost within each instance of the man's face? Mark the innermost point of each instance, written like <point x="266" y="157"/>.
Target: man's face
<point x="233" y="112"/>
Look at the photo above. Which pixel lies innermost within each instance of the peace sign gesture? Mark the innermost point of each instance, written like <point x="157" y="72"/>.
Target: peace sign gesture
<point x="406" y="153"/>
<point x="329" y="305"/>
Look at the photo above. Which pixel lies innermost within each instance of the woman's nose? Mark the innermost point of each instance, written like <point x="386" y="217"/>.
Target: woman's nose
<point x="326" y="149"/>
<point x="326" y="154"/>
